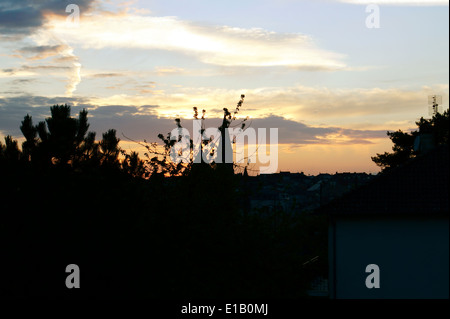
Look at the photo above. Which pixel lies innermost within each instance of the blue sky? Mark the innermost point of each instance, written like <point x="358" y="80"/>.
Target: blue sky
<point x="310" y="66"/>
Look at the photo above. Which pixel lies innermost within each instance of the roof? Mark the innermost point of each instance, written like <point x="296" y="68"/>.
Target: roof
<point x="315" y="187"/>
<point x="421" y="186"/>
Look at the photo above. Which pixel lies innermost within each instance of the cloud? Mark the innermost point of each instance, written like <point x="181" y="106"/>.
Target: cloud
<point x="23" y="81"/>
<point x="364" y="134"/>
<point x="43" y="67"/>
<point x="361" y="102"/>
<point x="139" y="125"/>
<point x="294" y="132"/>
<point x="217" y="45"/>
<point x="168" y="70"/>
<point x="106" y="75"/>
<point x="32" y="70"/>
<point x="356" y="108"/>
<point x="74" y="79"/>
<point x="28" y="18"/>
<point x="400" y="2"/>
<point x="42" y="51"/>
<point x="143" y="122"/>
<point x="347" y="107"/>
<point x="71" y="71"/>
<point x="23" y="17"/>
<point x="8" y="71"/>
<point x="19" y="21"/>
<point x="62" y="53"/>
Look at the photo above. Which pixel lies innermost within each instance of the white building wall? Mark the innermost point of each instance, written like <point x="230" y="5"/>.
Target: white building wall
<point x="412" y="254"/>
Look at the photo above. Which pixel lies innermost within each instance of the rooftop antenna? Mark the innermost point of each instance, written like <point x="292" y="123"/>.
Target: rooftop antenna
<point x="433" y="104"/>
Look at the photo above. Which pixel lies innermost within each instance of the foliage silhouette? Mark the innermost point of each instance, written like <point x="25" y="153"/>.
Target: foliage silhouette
<point x="158" y="159"/>
<point x="403" y="149"/>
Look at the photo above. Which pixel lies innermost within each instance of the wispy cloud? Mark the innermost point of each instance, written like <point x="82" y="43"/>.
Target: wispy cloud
<point x="217" y="45"/>
<point x="23" y="81"/>
<point x="169" y="70"/>
<point x="44" y="67"/>
<point x="41" y="51"/>
<point x="106" y="75"/>
<point x="223" y="46"/>
<point x="62" y="53"/>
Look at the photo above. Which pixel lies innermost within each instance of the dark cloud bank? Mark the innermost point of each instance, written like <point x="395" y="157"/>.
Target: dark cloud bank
<point x="23" y="17"/>
<point x="142" y="122"/>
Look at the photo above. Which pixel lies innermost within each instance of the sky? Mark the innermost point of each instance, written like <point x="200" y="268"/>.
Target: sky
<point x="323" y="72"/>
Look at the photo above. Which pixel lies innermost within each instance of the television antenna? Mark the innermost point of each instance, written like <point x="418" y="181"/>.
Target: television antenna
<point x="433" y="104"/>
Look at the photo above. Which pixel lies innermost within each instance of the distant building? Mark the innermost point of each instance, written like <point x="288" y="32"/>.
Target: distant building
<point x="399" y="222"/>
<point x="295" y="193"/>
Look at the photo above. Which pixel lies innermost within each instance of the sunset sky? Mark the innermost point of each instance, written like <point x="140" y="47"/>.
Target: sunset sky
<point x="313" y="69"/>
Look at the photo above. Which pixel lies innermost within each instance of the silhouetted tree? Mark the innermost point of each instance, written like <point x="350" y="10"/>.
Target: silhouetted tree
<point x="88" y="152"/>
<point x="30" y="133"/>
<point x="403" y="149"/>
<point x="133" y="165"/>
<point x="62" y="140"/>
<point x="56" y="140"/>
<point x="109" y="147"/>
<point x="10" y="152"/>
